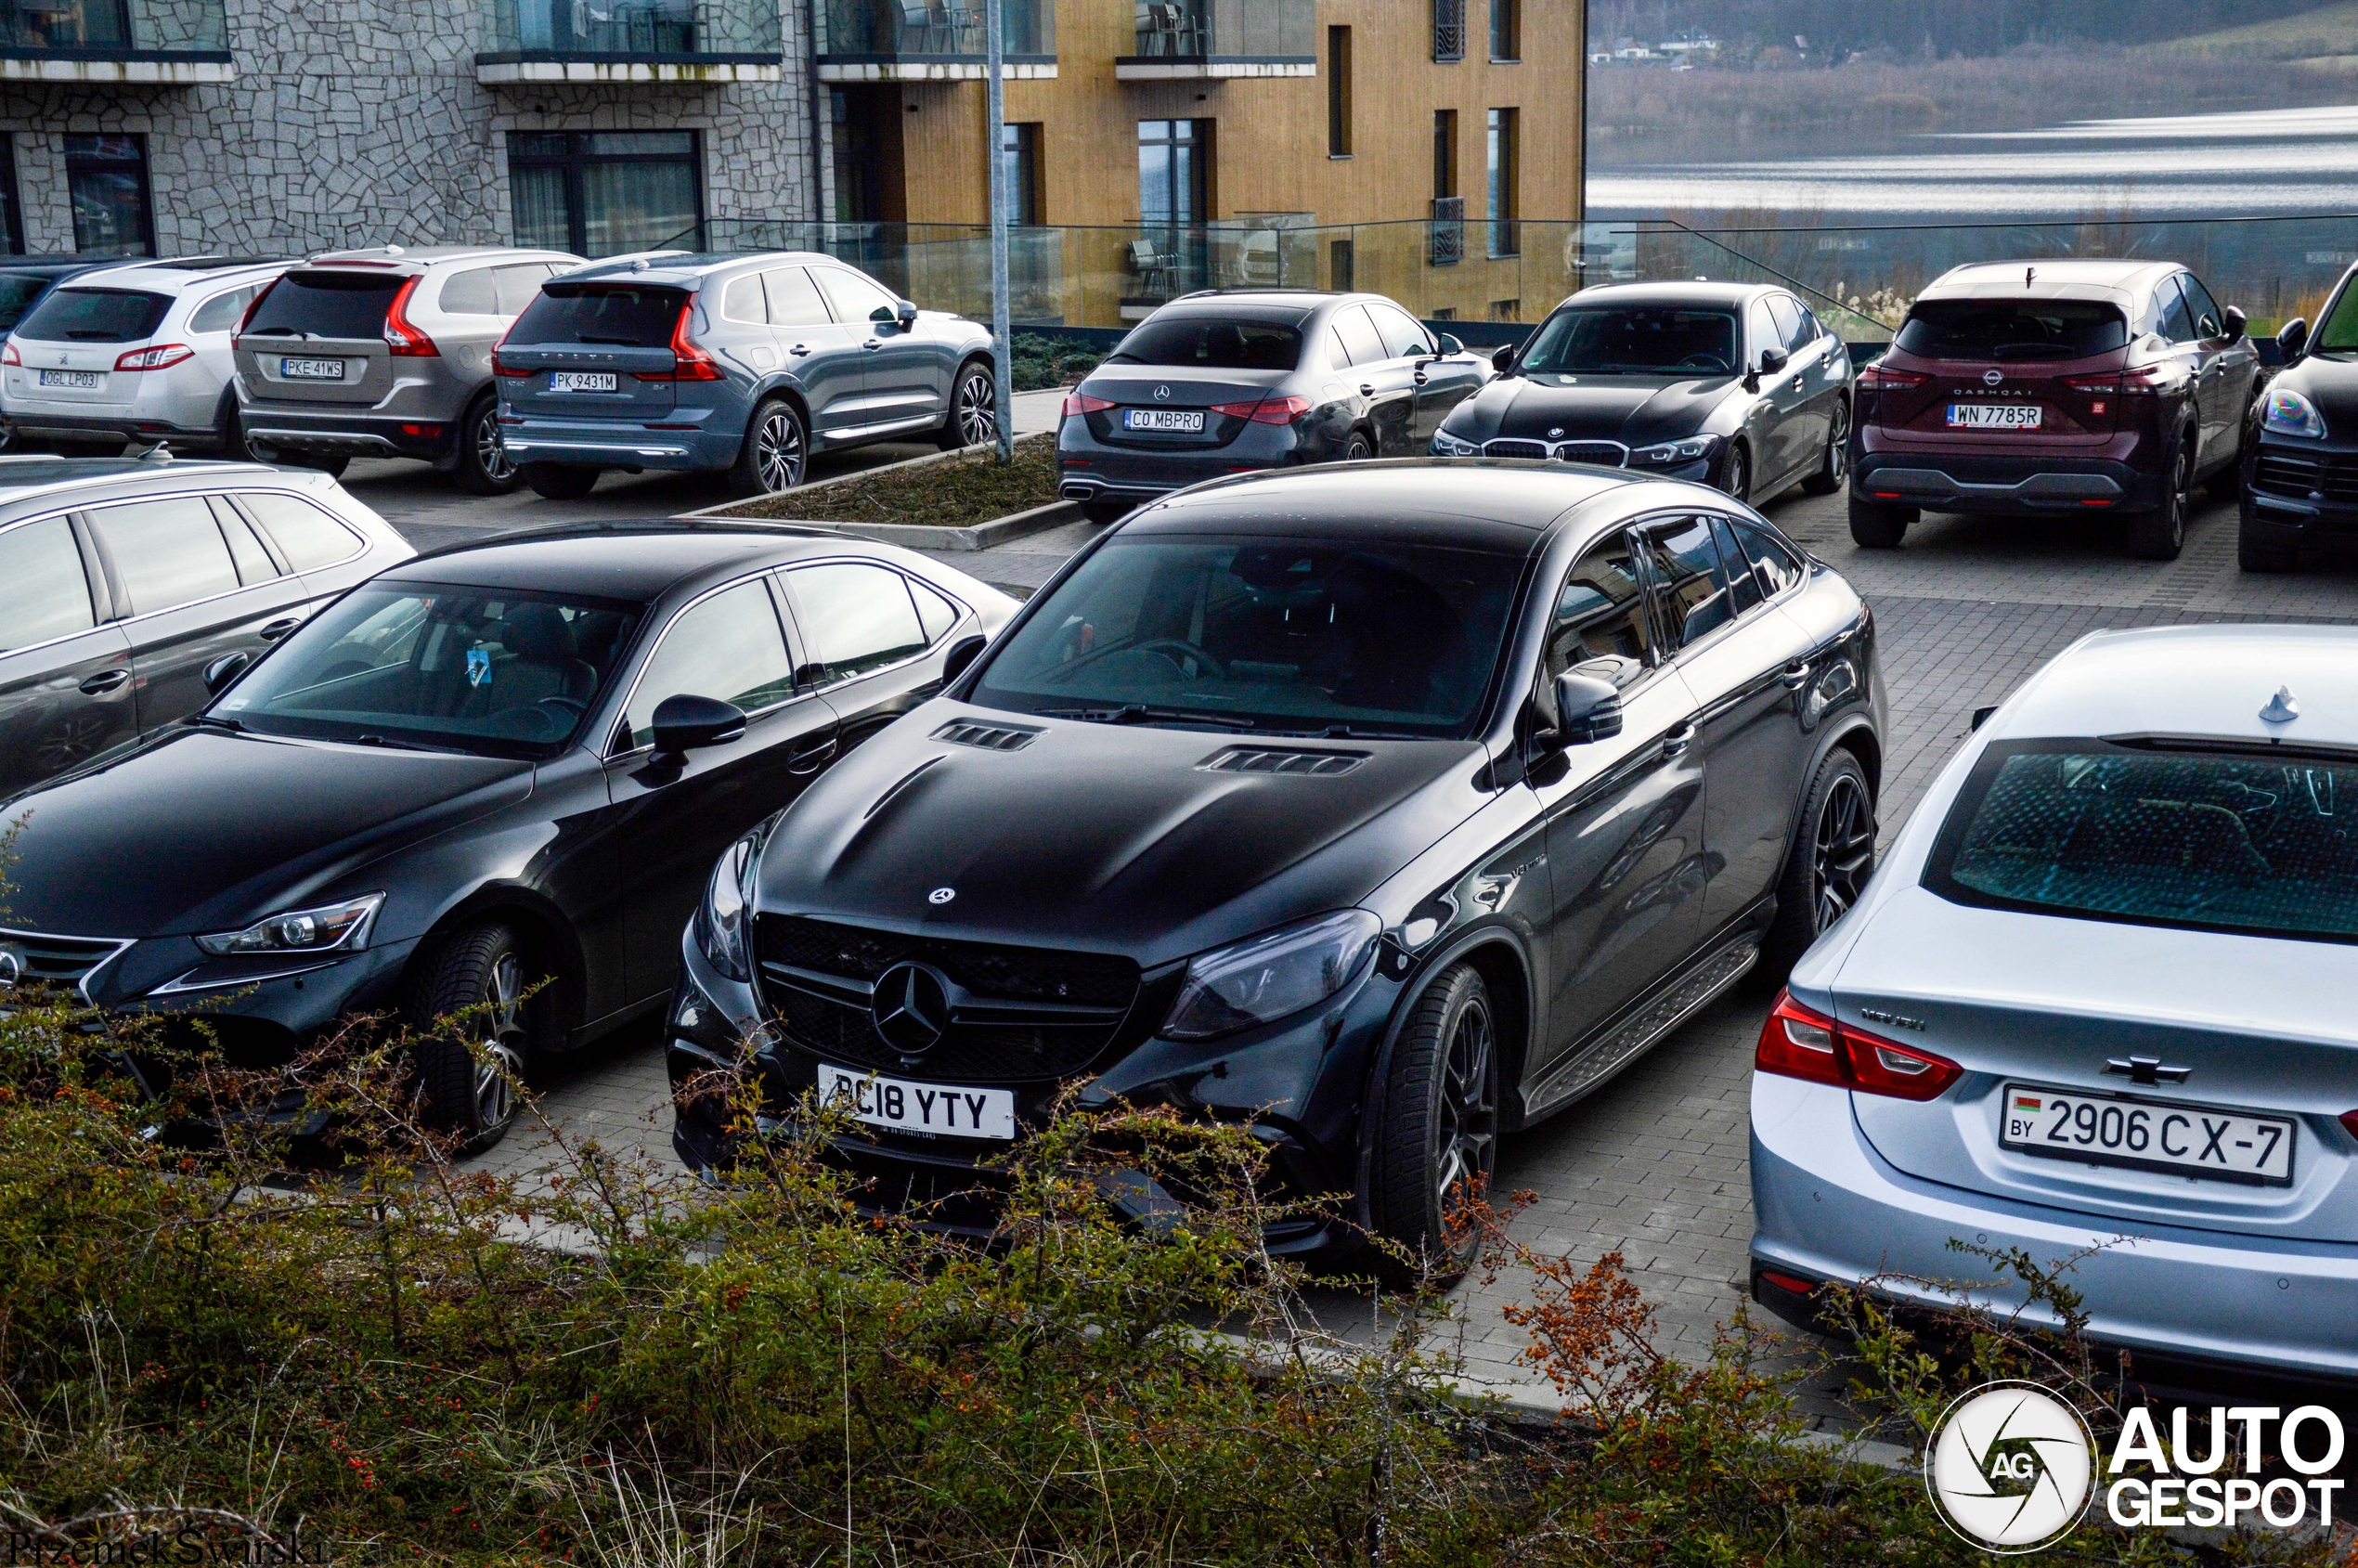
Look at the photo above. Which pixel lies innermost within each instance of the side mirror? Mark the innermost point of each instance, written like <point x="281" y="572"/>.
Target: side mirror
<point x="2292" y="337"/>
<point x="960" y="658"/>
<point x="219" y="672"/>
<point x="1588" y="709"/>
<point x="1773" y="360"/>
<point x="906" y="314"/>
<point x="1451" y="345"/>
<point x="1504" y="359"/>
<point x="2236" y="322"/>
<point x="1981" y="715"/>
<point x="683" y="723"/>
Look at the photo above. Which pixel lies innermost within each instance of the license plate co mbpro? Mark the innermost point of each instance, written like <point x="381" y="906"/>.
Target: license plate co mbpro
<point x="311" y="370"/>
<point x="1995" y="416"/>
<point x="906" y="1107"/>
<point x="2184" y="1140"/>
<point x="1172" y="421"/>
<point x="582" y="381"/>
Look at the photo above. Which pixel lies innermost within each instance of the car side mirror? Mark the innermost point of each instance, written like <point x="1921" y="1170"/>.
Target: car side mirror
<point x="1451" y="345"/>
<point x="2292" y="337"/>
<point x="960" y="658"/>
<point x="685" y="724"/>
<point x="219" y="672"/>
<point x="1773" y="360"/>
<point x="2236" y="322"/>
<point x="906" y="314"/>
<point x="1588" y="710"/>
<point x="1981" y="715"/>
<point x="1504" y="359"/>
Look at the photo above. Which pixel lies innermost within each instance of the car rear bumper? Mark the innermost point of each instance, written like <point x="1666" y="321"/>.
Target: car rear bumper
<point x="1088" y="469"/>
<point x="1829" y="1208"/>
<point x="679" y="443"/>
<point x="130" y="425"/>
<point x="2005" y="482"/>
<point x="341" y="435"/>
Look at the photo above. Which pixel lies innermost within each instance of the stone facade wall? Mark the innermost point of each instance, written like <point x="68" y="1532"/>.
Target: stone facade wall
<point x="361" y="122"/>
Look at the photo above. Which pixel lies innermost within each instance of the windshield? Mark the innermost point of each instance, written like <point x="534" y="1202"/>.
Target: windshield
<point x="1278" y="636"/>
<point x="2012" y="330"/>
<point x="2338" y="332"/>
<point x="1214" y="343"/>
<point x="93" y="315"/>
<point x="486" y="671"/>
<point x="633" y="318"/>
<point x="16" y="291"/>
<point x="2208" y="840"/>
<point x="326" y="304"/>
<point x="1605" y="339"/>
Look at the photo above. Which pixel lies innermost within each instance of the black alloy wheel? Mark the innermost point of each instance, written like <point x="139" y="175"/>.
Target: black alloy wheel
<point x="1435" y="1140"/>
<point x="1835" y="468"/>
<point x="484" y="467"/>
<point x="774" y="453"/>
<point x="2161" y="534"/>
<point x="1735" y="471"/>
<point x="560" y="481"/>
<point x="1359" y="448"/>
<point x="470" y="1007"/>
<point x="1832" y="860"/>
<point x="974" y="408"/>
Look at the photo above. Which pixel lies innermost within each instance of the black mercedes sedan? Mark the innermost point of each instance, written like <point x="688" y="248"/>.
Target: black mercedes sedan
<point x="1736" y="385"/>
<point x="1229" y="380"/>
<point x="485" y="768"/>
<point x="2300" y="441"/>
<point x="1391" y="806"/>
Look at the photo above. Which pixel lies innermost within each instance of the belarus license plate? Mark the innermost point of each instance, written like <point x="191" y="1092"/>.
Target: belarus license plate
<point x="582" y="381"/>
<point x="1994" y="416"/>
<point x="2183" y="1139"/>
<point x="311" y="370"/>
<point x="1175" y="421"/>
<point x="905" y="1107"/>
<point x="85" y="381"/>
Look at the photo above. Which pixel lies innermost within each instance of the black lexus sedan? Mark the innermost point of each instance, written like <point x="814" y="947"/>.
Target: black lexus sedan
<point x="486" y="768"/>
<point x="1230" y="380"/>
<point x="2300" y="441"/>
<point x="1736" y="385"/>
<point x="1393" y="806"/>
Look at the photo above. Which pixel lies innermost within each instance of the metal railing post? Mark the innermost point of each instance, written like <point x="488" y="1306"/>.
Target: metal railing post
<point x="1002" y="339"/>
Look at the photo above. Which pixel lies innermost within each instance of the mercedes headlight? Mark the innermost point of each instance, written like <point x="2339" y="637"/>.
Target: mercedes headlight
<point x="1689" y="450"/>
<point x="2291" y="414"/>
<point x="328" y="929"/>
<point x="728" y="904"/>
<point x="1447" y="445"/>
<point x="1268" y="976"/>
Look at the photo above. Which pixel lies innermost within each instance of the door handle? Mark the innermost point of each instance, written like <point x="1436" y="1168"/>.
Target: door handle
<point x="1794" y="675"/>
<point x="104" y="681"/>
<point x="1366" y="389"/>
<point x="1421" y="379"/>
<point x="872" y="345"/>
<point x="811" y="759"/>
<point x="279" y="628"/>
<point x="1676" y="742"/>
<point x="800" y="350"/>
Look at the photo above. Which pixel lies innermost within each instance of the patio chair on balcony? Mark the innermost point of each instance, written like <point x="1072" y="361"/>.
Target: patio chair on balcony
<point x="1154" y="268"/>
<point x="923" y="30"/>
<point x="1165" y="30"/>
<point x="964" y="24"/>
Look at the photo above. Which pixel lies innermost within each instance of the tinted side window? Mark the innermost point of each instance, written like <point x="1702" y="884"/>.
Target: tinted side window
<point x="308" y="537"/>
<point x="937" y="614"/>
<point x="1787" y="316"/>
<point x="1761" y="327"/>
<point x="728" y="648"/>
<point x="1359" y="335"/>
<point x="1811" y="328"/>
<point x="742" y="300"/>
<point x="2177" y="321"/>
<point x="1776" y="566"/>
<point x="1403" y="338"/>
<point x="793" y="298"/>
<point x="854" y="297"/>
<point x="518" y="285"/>
<point x="167" y="553"/>
<point x="1684" y="576"/>
<point x="1600" y="611"/>
<point x="2208" y="322"/>
<point x="222" y="312"/>
<point x="858" y="618"/>
<point x="42" y="591"/>
<point x="1337" y="350"/>
<point x="472" y="293"/>
<point x="253" y="562"/>
<point x="1743" y="588"/>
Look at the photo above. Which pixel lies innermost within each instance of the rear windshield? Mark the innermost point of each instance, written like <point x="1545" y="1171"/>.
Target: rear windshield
<point x="632" y="318"/>
<point x="1214" y="343"/>
<point x="326" y="304"/>
<point x="1656" y="339"/>
<point x="15" y="293"/>
<point x="2012" y="330"/>
<point x="93" y="315"/>
<point x="2197" y="838"/>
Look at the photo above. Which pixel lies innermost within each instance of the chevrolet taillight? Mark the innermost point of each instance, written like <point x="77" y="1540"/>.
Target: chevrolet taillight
<point x="1798" y="1042"/>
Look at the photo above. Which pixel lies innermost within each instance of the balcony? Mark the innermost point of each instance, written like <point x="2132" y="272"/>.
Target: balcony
<point x="531" y="43"/>
<point x="133" y="43"/>
<point x="1448" y="31"/>
<point x="1446" y="236"/>
<point x="1221" y="40"/>
<point x="934" y="40"/>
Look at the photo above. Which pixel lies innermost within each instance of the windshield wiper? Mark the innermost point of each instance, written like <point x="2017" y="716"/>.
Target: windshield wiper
<point x="1358" y="733"/>
<point x="1139" y="713"/>
<point x="389" y="744"/>
<point x="209" y="722"/>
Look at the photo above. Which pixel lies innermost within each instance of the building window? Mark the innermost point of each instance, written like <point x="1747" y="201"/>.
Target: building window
<point x="107" y="185"/>
<point x="1342" y="263"/>
<point x="1506" y="29"/>
<point x="1445" y="153"/>
<point x="1337" y="92"/>
<point x="600" y="193"/>
<point x="11" y="208"/>
<point x="1448" y="29"/>
<point x="1505" y="175"/>
<point x="1170" y="172"/>
<point x="1019" y="159"/>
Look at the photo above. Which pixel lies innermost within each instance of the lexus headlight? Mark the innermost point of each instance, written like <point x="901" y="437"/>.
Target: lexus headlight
<point x="328" y="929"/>
<point x="2291" y="414"/>
<point x="1269" y="976"/>
<point x="720" y="921"/>
<point x="1689" y="450"/>
<point x="1447" y="445"/>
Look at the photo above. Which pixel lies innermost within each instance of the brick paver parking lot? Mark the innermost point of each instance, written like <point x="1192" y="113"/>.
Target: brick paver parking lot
<point x="1653" y="1165"/>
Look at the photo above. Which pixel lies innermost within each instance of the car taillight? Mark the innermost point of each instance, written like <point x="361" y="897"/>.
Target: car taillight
<point x="1268" y="410"/>
<point x="162" y="356"/>
<point x="2350" y="1120"/>
<point x="1798" y="1042"/>
<point x="689" y="363"/>
<point x="1878" y="378"/>
<point x="1079" y="402"/>
<point x="402" y="340"/>
<point x="9" y="353"/>
<point x="2144" y="381"/>
<point x="501" y="367"/>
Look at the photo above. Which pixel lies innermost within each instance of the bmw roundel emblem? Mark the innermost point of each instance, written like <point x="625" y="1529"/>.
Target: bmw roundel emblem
<point x="1992" y="377"/>
<point x="941" y="895"/>
<point x="1556" y="434"/>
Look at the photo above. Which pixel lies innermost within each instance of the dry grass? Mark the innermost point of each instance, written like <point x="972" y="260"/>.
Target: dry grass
<point x="954" y="493"/>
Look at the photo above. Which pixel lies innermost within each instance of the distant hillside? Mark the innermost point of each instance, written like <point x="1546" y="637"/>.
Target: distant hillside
<point x="1946" y="28"/>
<point x="2332" y="31"/>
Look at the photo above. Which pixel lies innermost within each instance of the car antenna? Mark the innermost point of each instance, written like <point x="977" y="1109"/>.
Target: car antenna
<point x="2027" y="274"/>
<point x="159" y="452"/>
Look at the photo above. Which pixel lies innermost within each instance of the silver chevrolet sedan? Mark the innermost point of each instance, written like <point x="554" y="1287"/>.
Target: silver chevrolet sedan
<point x="2097" y="1004"/>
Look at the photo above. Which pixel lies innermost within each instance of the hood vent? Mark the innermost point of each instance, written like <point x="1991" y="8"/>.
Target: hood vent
<point x="1261" y="760"/>
<point x="987" y="737"/>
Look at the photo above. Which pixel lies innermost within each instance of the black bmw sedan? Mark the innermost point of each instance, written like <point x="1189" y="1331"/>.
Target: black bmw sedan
<point x="489" y="767"/>
<point x="1736" y="385"/>
<point x="1395" y="806"/>
<point x="2300" y="441"/>
<point x="1230" y="380"/>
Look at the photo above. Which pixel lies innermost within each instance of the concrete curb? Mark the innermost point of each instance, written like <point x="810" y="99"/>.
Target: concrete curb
<point x="910" y="536"/>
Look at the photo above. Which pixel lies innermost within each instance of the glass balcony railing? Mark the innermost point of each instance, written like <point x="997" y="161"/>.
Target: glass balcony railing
<point x="1268" y="31"/>
<point x="632" y="30"/>
<point x="103" y="29"/>
<point x="885" y="31"/>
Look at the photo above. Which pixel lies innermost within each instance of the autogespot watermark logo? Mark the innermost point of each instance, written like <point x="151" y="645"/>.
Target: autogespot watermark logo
<point x="2012" y="1468"/>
